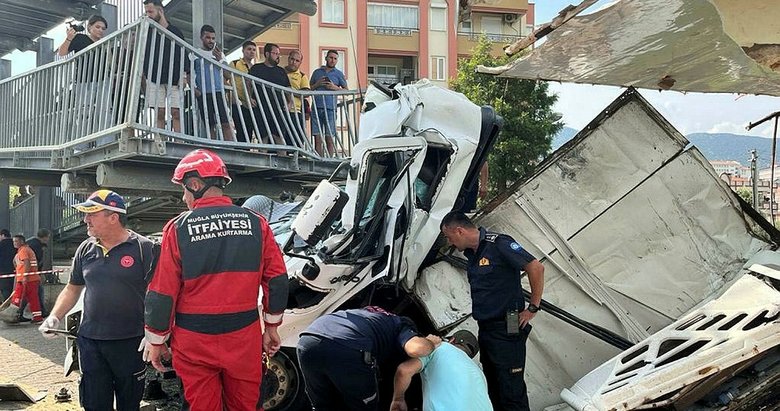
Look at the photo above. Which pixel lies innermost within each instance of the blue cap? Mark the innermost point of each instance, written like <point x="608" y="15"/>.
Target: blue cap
<point x="103" y="200"/>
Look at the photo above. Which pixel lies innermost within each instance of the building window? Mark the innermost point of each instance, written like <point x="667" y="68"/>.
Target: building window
<point x="465" y="26"/>
<point x="438" y="18"/>
<point x="384" y="74"/>
<point x="491" y="25"/>
<point x="333" y="11"/>
<point x="439" y="68"/>
<point x="339" y="64"/>
<point x="389" y="15"/>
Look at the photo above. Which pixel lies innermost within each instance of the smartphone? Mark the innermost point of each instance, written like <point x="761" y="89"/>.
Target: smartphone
<point x="512" y="322"/>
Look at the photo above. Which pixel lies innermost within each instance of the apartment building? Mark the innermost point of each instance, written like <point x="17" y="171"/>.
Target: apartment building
<point x="730" y="167"/>
<point x="398" y="40"/>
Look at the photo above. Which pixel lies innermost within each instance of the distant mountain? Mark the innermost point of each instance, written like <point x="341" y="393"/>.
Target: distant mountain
<point x="726" y="146"/>
<point x="714" y="146"/>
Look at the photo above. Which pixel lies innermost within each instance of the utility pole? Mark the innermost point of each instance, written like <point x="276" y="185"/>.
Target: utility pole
<point x="750" y="126"/>
<point x="754" y="176"/>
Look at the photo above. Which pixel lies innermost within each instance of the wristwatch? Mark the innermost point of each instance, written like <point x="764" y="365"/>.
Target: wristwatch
<point x="532" y="308"/>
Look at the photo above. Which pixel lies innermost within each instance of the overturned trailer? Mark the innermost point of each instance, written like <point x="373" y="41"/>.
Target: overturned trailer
<point x="636" y="232"/>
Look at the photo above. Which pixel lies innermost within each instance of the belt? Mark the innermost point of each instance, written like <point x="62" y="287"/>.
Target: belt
<point x="216" y="323"/>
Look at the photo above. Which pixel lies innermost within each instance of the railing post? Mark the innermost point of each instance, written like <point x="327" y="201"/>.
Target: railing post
<point x="134" y="87"/>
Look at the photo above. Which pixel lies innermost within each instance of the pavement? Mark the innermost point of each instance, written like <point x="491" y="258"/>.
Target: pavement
<point x="35" y="363"/>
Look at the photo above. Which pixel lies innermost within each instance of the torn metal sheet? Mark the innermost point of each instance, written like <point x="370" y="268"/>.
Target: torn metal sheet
<point x="733" y="329"/>
<point x="715" y="46"/>
<point x="633" y="230"/>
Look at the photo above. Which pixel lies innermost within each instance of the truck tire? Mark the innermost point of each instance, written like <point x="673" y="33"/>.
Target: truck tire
<point x="283" y="388"/>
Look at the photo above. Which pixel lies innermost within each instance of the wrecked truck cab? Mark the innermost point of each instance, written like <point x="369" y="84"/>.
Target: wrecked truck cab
<point x="419" y="154"/>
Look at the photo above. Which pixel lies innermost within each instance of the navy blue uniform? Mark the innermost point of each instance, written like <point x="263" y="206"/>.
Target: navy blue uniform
<point x="112" y="323"/>
<point x="494" y="275"/>
<point x="339" y="354"/>
<point x="7" y="253"/>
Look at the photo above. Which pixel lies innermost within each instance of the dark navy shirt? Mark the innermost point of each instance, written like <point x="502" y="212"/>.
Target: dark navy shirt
<point x="115" y="286"/>
<point x="7" y="253"/>
<point x="494" y="274"/>
<point x="382" y="334"/>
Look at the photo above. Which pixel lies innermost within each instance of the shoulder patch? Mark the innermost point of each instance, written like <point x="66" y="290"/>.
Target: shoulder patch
<point x="513" y="245"/>
<point x="492" y="237"/>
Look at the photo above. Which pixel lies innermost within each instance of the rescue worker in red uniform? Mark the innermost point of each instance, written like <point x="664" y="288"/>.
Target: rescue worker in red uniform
<point x="204" y="295"/>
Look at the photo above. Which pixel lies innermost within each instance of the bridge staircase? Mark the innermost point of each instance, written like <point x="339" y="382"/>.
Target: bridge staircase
<point x="86" y="122"/>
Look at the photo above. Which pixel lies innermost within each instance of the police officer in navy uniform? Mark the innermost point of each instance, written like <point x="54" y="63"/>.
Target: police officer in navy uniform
<point x="495" y="263"/>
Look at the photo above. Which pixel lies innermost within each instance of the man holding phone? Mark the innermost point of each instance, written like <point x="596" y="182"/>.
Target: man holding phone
<point x="323" y="120"/>
<point x="209" y="85"/>
<point x="495" y="263"/>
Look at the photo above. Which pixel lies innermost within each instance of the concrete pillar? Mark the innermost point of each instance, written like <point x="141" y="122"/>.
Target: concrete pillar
<point x="5" y="69"/>
<point x="5" y="208"/>
<point x="111" y="14"/>
<point x="44" y="196"/>
<point x="45" y="52"/>
<point x="207" y="12"/>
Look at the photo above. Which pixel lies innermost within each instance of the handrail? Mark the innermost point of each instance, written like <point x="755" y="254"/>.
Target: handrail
<point x="142" y="82"/>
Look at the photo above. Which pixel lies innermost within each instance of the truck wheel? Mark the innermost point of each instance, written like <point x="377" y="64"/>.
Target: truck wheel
<point x="283" y="388"/>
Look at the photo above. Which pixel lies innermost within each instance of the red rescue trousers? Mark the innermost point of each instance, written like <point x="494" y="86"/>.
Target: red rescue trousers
<point x="28" y="291"/>
<point x="219" y="371"/>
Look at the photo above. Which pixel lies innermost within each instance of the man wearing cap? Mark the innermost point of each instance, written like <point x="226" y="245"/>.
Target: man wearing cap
<point x="215" y="260"/>
<point x="451" y="381"/>
<point x="112" y="267"/>
<point x="340" y="353"/>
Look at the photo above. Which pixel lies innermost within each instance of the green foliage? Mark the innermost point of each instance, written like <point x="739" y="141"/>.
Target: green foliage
<point x="526" y="106"/>
<point x="746" y="194"/>
<point x="13" y="193"/>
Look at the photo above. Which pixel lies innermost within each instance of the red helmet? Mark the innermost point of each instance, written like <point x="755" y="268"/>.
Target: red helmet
<point x="204" y="163"/>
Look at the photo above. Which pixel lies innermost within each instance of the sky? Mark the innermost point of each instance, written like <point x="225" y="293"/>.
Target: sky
<point x="579" y="104"/>
<point x="689" y="113"/>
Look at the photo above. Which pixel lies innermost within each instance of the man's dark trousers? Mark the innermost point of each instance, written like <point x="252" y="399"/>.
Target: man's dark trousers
<point x="337" y="378"/>
<point x="108" y="367"/>
<point x="503" y="362"/>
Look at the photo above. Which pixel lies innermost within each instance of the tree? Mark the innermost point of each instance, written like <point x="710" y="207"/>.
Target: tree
<point x="526" y="106"/>
<point x="746" y="194"/>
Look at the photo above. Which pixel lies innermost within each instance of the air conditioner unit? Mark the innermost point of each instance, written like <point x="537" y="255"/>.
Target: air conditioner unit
<point x="510" y="18"/>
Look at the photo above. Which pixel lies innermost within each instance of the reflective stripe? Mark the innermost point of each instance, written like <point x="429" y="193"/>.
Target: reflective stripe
<point x="216" y="323"/>
<point x="155" y="339"/>
<point x="273" y="319"/>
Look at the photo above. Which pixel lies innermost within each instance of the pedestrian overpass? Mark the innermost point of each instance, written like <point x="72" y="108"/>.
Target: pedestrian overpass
<point x="86" y="122"/>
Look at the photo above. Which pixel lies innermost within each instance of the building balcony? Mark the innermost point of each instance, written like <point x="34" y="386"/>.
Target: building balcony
<point x="468" y="40"/>
<point x="393" y="39"/>
<point x="506" y="6"/>
<point x="285" y="32"/>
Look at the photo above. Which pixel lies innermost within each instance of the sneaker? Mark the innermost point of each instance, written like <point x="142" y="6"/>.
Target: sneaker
<point x="23" y="320"/>
<point x="37" y="320"/>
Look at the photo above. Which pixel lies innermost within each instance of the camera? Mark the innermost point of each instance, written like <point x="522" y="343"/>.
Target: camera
<point x="76" y="26"/>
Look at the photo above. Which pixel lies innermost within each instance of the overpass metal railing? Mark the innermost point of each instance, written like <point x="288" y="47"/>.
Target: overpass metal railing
<point x="144" y="82"/>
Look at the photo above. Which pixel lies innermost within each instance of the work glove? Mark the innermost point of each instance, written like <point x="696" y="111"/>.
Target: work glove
<point x="50" y="323"/>
<point x="143" y="347"/>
